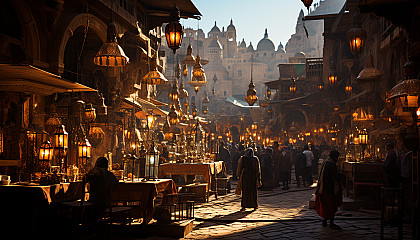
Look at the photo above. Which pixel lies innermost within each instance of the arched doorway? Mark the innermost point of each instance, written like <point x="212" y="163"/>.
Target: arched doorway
<point x="79" y="52"/>
<point x="297" y="119"/>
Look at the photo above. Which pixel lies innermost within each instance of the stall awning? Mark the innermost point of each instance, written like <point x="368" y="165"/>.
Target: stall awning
<point x="32" y="80"/>
<point x="130" y="103"/>
<point x="151" y="107"/>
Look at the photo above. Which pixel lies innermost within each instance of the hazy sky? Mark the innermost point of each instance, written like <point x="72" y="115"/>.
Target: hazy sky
<point x="250" y="18"/>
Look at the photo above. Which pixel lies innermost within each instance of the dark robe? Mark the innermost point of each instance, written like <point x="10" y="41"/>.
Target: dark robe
<point x="249" y="167"/>
<point x="328" y="194"/>
<point x="267" y="174"/>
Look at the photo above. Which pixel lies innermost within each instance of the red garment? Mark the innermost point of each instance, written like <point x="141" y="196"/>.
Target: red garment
<point x="326" y="205"/>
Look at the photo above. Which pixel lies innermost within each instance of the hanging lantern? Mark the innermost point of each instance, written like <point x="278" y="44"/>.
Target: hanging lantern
<point x="173" y="116"/>
<point x="53" y="121"/>
<point x="189" y="59"/>
<point x="174" y="32"/>
<point x="196" y="88"/>
<point x="251" y="95"/>
<point x="111" y="54"/>
<point x="45" y="156"/>
<point x="184" y="70"/>
<point x="61" y="137"/>
<point x="194" y="111"/>
<point x="206" y="99"/>
<point x="348" y="88"/>
<point x="186" y="105"/>
<point x="173" y="95"/>
<point x="320" y="86"/>
<point x="292" y="87"/>
<point x="84" y="154"/>
<point x="205" y="109"/>
<point x="198" y="75"/>
<point x="356" y="36"/>
<point x="150" y="121"/>
<point x="90" y="113"/>
<point x="363" y="136"/>
<point x="96" y="136"/>
<point x="154" y="77"/>
<point x="268" y="93"/>
<point x="332" y="77"/>
<point x="152" y="162"/>
<point x="35" y="136"/>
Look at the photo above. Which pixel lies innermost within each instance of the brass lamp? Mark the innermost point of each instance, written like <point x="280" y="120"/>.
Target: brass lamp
<point x="320" y="86"/>
<point x="173" y="95"/>
<point x="198" y="75"/>
<point x="348" y="88"/>
<point x="292" y="87"/>
<point x="189" y="60"/>
<point x="152" y="163"/>
<point x="356" y="36"/>
<point x="45" y="156"/>
<point x="96" y="136"/>
<point x="150" y="121"/>
<point x="90" y="113"/>
<point x="61" y="144"/>
<point x="111" y="54"/>
<point x="268" y="93"/>
<point x="332" y="77"/>
<point x="84" y="148"/>
<point x="173" y="116"/>
<point x="154" y="77"/>
<point x="174" y="31"/>
<point x="363" y="138"/>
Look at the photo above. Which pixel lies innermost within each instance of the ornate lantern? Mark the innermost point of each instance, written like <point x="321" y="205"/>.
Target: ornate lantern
<point x="154" y="77"/>
<point x="111" y="54"/>
<point x="189" y="60"/>
<point x="204" y="109"/>
<point x="268" y="93"/>
<point x="45" y="156"/>
<point x="332" y="77"/>
<point x="320" y="86"/>
<point x="90" y="113"/>
<point x="363" y="136"/>
<point x="194" y="111"/>
<point x="184" y="70"/>
<point x="173" y="95"/>
<point x="251" y="95"/>
<point x="61" y="144"/>
<point x="173" y="116"/>
<point x="96" y="136"/>
<point x="198" y="75"/>
<point x="292" y="87"/>
<point x="174" y="31"/>
<point x="152" y="162"/>
<point x="84" y="154"/>
<point x="348" y="88"/>
<point x="356" y="36"/>
<point x="150" y="121"/>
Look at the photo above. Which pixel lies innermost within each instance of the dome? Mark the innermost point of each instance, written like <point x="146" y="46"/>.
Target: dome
<point x="250" y="47"/>
<point x="265" y="44"/>
<point x="231" y="27"/>
<point x="280" y="47"/>
<point x="215" y="43"/>
<point x="300" y="55"/>
<point x="215" y="28"/>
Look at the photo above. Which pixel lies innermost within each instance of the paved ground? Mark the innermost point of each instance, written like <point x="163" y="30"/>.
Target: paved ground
<point x="281" y="215"/>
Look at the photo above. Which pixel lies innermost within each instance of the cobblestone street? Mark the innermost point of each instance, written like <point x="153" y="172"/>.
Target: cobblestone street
<point x="281" y="215"/>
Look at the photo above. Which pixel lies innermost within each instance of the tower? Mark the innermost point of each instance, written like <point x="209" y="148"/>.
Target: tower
<point x="232" y="48"/>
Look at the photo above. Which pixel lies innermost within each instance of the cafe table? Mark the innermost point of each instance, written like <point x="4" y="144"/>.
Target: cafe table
<point x="141" y="194"/>
<point x="208" y="170"/>
<point x="28" y="206"/>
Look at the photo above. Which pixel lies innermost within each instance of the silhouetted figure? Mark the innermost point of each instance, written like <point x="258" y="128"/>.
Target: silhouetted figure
<point x="286" y="162"/>
<point x="235" y="159"/>
<point x="300" y="163"/>
<point x="102" y="183"/>
<point x="328" y="194"/>
<point x="249" y="173"/>
<point x="267" y="175"/>
<point x="391" y="166"/>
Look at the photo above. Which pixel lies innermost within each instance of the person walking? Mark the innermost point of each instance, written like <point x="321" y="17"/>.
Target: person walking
<point x="235" y="159"/>
<point x="286" y="162"/>
<point x="267" y="175"/>
<point x="328" y="193"/>
<point x="276" y="162"/>
<point x="249" y="173"/>
<point x="308" y="168"/>
<point x="300" y="163"/>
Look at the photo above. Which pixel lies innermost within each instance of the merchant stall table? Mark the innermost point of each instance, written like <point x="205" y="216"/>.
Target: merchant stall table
<point x="361" y="175"/>
<point x="29" y="206"/>
<point x="207" y="170"/>
<point x="140" y="194"/>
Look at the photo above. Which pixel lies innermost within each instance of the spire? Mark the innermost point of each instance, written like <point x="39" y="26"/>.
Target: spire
<point x="231" y="21"/>
<point x="266" y="33"/>
<point x="215" y="24"/>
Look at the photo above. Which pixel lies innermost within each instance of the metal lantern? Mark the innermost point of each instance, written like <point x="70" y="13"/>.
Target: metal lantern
<point x="96" y="136"/>
<point x="90" y="113"/>
<point x="174" y="31"/>
<point x="173" y="95"/>
<point x="348" y="88"/>
<point x="194" y="111"/>
<point x="363" y="136"/>
<point x="356" y="36"/>
<point x="251" y="95"/>
<point x="154" y="77"/>
<point x="45" y="156"/>
<point x="198" y="75"/>
<point x="205" y="109"/>
<point x="111" y="54"/>
<point x="320" y="86"/>
<point x="189" y="59"/>
<point x="152" y="162"/>
<point x="268" y="93"/>
<point x="84" y="150"/>
<point x="332" y="77"/>
<point x="292" y="87"/>
<point x="61" y="137"/>
<point x="150" y="121"/>
<point x="184" y="70"/>
<point x="173" y="116"/>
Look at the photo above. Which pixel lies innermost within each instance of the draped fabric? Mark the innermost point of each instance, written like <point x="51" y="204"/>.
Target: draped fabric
<point x="251" y="177"/>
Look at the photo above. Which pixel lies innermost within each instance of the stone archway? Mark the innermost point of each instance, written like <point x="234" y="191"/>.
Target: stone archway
<point x="95" y="24"/>
<point x="298" y="116"/>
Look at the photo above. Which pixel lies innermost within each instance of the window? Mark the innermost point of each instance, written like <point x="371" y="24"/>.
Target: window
<point x="228" y="67"/>
<point x="265" y="54"/>
<point x="224" y="93"/>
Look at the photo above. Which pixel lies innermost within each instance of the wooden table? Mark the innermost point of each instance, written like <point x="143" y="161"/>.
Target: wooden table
<point x="206" y="169"/>
<point x="361" y="174"/>
<point x="29" y="206"/>
<point x="142" y="194"/>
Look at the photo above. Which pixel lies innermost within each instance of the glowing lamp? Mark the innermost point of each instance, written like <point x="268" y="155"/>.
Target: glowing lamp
<point x="320" y="86"/>
<point x="61" y="137"/>
<point x="90" y="113"/>
<point x="332" y="78"/>
<point x="111" y="54"/>
<point x="356" y="36"/>
<point x="174" y="32"/>
<point x="363" y="136"/>
<point x="152" y="162"/>
<point x="45" y="156"/>
<point x="84" y="148"/>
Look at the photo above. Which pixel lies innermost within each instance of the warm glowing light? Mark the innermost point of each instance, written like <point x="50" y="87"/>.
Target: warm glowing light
<point x="417" y="112"/>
